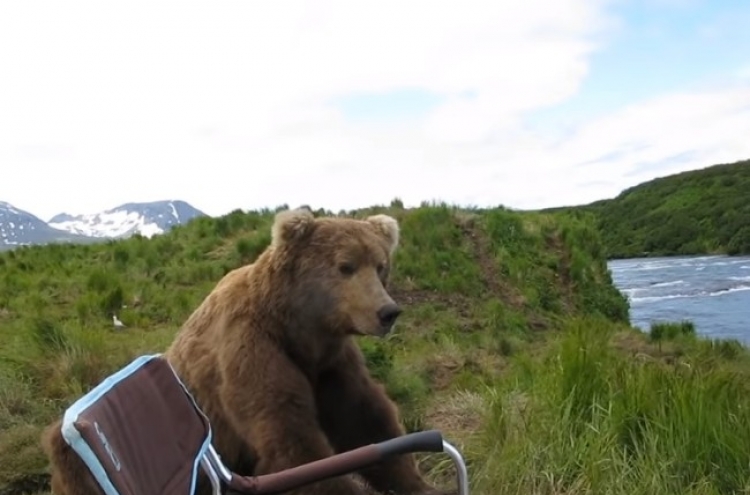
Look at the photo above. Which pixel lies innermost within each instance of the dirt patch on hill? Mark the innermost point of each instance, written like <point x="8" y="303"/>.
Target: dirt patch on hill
<point x="492" y="278"/>
<point x="556" y="244"/>
<point x="420" y="296"/>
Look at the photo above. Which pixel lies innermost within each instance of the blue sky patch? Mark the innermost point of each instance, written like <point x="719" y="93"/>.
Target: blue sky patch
<point x="402" y="104"/>
<point x="661" y="46"/>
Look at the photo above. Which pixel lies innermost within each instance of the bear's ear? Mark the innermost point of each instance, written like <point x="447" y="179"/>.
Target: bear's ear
<point x="388" y="226"/>
<point x="291" y="225"/>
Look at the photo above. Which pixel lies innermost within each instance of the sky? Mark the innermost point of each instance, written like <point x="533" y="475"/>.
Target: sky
<point x="340" y="104"/>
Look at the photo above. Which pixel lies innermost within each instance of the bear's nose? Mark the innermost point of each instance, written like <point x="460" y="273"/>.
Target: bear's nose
<point x="388" y="314"/>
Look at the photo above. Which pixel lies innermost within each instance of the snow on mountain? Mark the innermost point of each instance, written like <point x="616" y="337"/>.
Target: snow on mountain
<point x="21" y="228"/>
<point x="146" y="219"/>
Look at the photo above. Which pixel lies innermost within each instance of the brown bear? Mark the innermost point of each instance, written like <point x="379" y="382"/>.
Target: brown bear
<point x="271" y="359"/>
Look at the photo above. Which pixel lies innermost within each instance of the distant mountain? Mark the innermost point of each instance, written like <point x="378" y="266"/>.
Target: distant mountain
<point x="21" y="228"/>
<point x="146" y="219"/>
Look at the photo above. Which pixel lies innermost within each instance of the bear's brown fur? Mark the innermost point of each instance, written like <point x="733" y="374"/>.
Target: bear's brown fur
<point x="270" y="357"/>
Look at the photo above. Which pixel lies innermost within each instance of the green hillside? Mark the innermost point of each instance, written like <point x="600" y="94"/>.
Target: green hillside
<point x="703" y="211"/>
<point x="513" y="342"/>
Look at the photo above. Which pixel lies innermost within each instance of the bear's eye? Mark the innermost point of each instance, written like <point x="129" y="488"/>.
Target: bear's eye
<point x="380" y="268"/>
<point x="346" y="268"/>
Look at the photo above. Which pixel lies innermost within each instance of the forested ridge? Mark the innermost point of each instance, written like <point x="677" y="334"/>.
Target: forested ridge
<point x="703" y="211"/>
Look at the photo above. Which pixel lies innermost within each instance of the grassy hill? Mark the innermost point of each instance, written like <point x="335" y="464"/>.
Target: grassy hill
<point x="697" y="212"/>
<point x="514" y="343"/>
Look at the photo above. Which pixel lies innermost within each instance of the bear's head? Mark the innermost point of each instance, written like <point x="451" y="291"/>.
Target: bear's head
<point x="336" y="270"/>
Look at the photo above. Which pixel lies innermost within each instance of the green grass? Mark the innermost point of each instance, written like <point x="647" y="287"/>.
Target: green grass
<point x="587" y="419"/>
<point x="514" y="343"/>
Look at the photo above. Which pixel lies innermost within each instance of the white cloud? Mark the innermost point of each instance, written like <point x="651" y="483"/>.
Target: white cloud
<point x="657" y="137"/>
<point x="225" y="104"/>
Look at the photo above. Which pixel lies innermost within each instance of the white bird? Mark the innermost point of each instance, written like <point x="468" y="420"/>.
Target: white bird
<point x="117" y="322"/>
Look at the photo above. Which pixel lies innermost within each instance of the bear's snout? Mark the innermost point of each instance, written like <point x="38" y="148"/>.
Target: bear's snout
<point x="387" y="315"/>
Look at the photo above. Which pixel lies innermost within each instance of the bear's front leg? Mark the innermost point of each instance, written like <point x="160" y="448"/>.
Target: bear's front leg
<point x="355" y="410"/>
<point x="271" y="407"/>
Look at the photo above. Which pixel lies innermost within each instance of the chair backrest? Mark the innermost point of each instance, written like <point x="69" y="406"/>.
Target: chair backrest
<point x="139" y="431"/>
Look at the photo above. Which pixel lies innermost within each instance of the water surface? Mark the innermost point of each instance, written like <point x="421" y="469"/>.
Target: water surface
<point x="712" y="291"/>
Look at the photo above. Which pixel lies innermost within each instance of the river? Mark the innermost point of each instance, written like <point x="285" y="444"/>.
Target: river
<point x="711" y="291"/>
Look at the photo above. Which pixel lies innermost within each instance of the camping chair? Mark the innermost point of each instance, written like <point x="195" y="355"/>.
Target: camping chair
<point x="140" y="432"/>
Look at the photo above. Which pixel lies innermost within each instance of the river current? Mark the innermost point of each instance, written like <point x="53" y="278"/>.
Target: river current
<point x="711" y="291"/>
